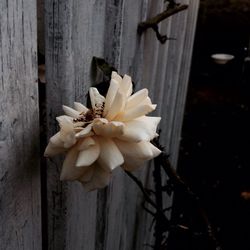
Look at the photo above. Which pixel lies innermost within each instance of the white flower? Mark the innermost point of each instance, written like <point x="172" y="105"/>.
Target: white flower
<point x="114" y="132"/>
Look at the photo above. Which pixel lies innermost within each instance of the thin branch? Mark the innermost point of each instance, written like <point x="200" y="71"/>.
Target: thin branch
<point x="159" y="213"/>
<point x="148" y="210"/>
<point x="150" y="23"/>
<point x="140" y="185"/>
<point x="178" y="182"/>
<point x="174" y="177"/>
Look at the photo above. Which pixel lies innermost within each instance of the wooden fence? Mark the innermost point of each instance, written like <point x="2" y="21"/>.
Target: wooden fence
<point x="37" y="211"/>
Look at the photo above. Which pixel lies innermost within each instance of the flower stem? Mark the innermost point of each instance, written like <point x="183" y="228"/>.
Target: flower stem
<point x="140" y="185"/>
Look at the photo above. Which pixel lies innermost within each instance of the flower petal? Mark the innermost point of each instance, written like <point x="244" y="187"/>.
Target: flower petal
<point x="67" y="133"/>
<point x="85" y="132"/>
<point x="108" y="129"/>
<point x="56" y="140"/>
<point x="135" y="112"/>
<point x="96" y="98"/>
<point x="110" y="156"/>
<point x="70" y="112"/>
<point x="147" y="101"/>
<point x="55" y="146"/>
<point x="69" y="170"/>
<point x="86" y="143"/>
<point x="99" y="179"/>
<point x="89" y="153"/>
<point x="65" y="120"/>
<point x="136" y="98"/>
<point x="80" y="107"/>
<point x="116" y="77"/>
<point x="52" y="150"/>
<point x="88" y="174"/>
<point x="140" y="129"/>
<point x="68" y="138"/>
<point x="113" y="88"/>
<point x="117" y="106"/>
<point x="135" y="154"/>
<point x="126" y="86"/>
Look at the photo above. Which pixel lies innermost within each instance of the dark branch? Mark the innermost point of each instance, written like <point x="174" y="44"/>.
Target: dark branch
<point x="140" y="185"/>
<point x="179" y="183"/>
<point x="160" y="17"/>
<point x="159" y="212"/>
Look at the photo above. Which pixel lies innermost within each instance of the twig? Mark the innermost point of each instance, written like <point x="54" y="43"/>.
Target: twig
<point x="159" y="230"/>
<point x="178" y="182"/>
<point x="160" y="17"/>
<point x="140" y="185"/>
<point x="160" y="214"/>
<point x="154" y="21"/>
<point x="174" y="177"/>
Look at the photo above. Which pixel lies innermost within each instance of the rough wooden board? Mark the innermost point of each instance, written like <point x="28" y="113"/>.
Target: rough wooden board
<point x="75" y="31"/>
<point x="20" y="215"/>
<point x="191" y="18"/>
<point x="74" y="34"/>
<point x="169" y="62"/>
<point x="123" y="197"/>
<point x="40" y="26"/>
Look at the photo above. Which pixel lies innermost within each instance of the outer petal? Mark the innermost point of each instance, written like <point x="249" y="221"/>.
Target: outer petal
<point x="66" y="134"/>
<point x="135" y="154"/>
<point x="140" y="129"/>
<point x="56" y="141"/>
<point x="96" y="98"/>
<point x="70" y="112"/>
<point x="65" y="120"/>
<point x="68" y="139"/>
<point x="147" y="100"/>
<point x="89" y="152"/>
<point x="88" y="174"/>
<point x="69" y="170"/>
<point x="116" y="77"/>
<point x="117" y="106"/>
<point x="126" y="86"/>
<point x="137" y="98"/>
<point x="110" y="156"/>
<point x="55" y="146"/>
<point x="108" y="129"/>
<point x="100" y="178"/>
<point x="135" y="112"/>
<point x="113" y="88"/>
<point x="80" y="107"/>
<point x="52" y="150"/>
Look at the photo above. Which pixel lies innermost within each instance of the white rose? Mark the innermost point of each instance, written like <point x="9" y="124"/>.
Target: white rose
<point x="114" y="132"/>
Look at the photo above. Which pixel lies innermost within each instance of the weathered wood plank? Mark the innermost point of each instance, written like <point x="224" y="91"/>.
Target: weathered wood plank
<point x="20" y="215"/>
<point x="124" y="50"/>
<point x="75" y="31"/>
<point x="164" y="67"/>
<point x="191" y="18"/>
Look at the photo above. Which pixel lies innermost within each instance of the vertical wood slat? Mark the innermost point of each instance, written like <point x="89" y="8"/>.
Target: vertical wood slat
<point x="20" y="215"/>
<point x="185" y="64"/>
<point x="124" y="50"/>
<point x="75" y="31"/>
<point x="169" y="85"/>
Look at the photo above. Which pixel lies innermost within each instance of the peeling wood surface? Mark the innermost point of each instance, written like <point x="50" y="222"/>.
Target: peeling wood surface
<point x="20" y="215"/>
<point x="75" y="31"/>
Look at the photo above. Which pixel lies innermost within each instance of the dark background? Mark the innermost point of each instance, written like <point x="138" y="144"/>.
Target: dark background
<point x="215" y="148"/>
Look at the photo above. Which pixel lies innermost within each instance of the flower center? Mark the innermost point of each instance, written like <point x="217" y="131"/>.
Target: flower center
<point x="91" y="114"/>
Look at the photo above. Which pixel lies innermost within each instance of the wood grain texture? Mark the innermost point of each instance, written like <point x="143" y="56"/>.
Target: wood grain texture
<point x="111" y="218"/>
<point x="167" y="71"/>
<point x="74" y="32"/>
<point x="20" y="215"/>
